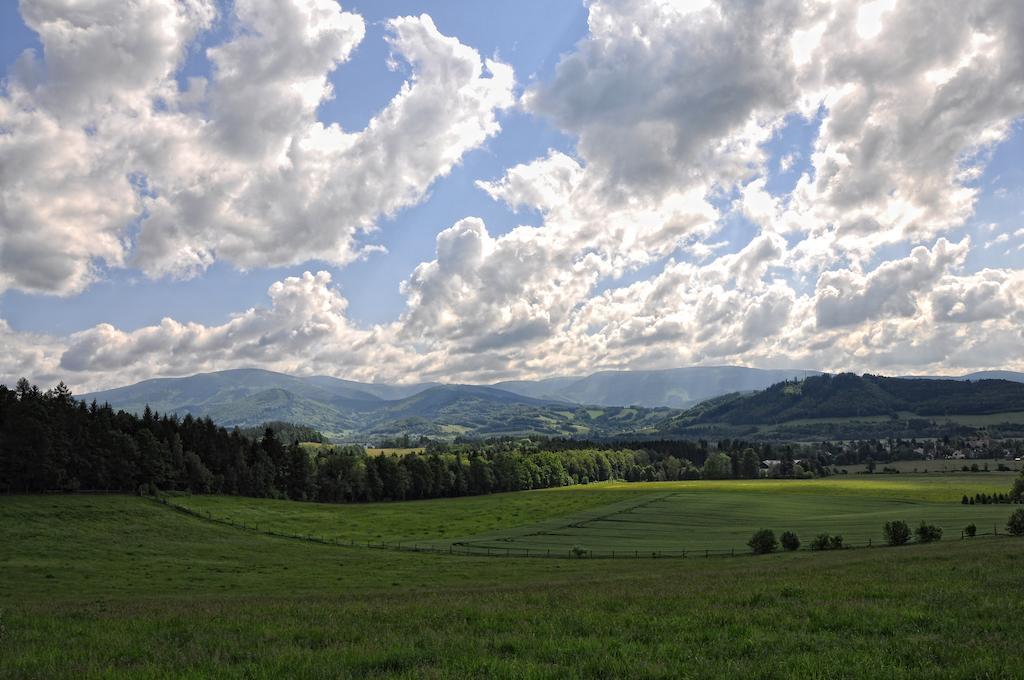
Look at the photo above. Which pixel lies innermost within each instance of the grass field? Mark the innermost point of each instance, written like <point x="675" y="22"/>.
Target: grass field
<point x="119" y="586"/>
<point x="940" y="466"/>
<point x="698" y="520"/>
<point x="430" y="520"/>
<point x="395" y="451"/>
<point x="662" y="517"/>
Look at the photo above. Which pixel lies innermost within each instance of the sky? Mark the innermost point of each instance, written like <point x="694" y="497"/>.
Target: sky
<point x="460" y="191"/>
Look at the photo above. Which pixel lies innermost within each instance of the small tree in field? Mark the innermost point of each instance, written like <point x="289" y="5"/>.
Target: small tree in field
<point x="897" y="532"/>
<point x="790" y="541"/>
<point x="835" y="543"/>
<point x="971" y="530"/>
<point x="1015" y="525"/>
<point x="927" y="533"/>
<point x="821" y="542"/>
<point x="763" y="542"/>
<point x="1017" y="491"/>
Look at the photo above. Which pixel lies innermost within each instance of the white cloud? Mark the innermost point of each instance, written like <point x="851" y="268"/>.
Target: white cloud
<point x="862" y="266"/>
<point x="845" y="297"/>
<point x="237" y="168"/>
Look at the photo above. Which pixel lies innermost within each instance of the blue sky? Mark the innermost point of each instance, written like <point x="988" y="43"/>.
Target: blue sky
<point x="655" y="163"/>
<point x="530" y="35"/>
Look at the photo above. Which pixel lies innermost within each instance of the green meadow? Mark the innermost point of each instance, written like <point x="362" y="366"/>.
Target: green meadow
<point x="118" y="586"/>
<point x="624" y="518"/>
<point x="436" y="520"/>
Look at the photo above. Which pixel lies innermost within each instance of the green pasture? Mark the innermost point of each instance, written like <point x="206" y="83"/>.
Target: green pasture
<point x="107" y="587"/>
<point x="937" y="466"/>
<point x="437" y="520"/>
<point x="920" y="487"/>
<point x="700" y="520"/>
<point x="640" y="517"/>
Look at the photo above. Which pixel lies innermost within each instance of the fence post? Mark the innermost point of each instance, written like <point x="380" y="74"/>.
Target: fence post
<point x="734" y="552"/>
<point x="707" y="554"/>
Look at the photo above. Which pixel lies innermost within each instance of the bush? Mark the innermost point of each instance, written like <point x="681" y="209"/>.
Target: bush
<point x="897" y="532"/>
<point x="971" y="530"/>
<point x="835" y="543"/>
<point x="1015" y="525"/>
<point x="579" y="551"/>
<point x="790" y="541"/>
<point x="763" y="542"/>
<point x="927" y="533"/>
<point x="821" y="542"/>
<point x="965" y="500"/>
<point x="1017" y="492"/>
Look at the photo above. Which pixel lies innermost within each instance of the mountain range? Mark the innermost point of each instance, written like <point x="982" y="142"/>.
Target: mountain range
<point x="846" y="405"/>
<point x="607" y="403"/>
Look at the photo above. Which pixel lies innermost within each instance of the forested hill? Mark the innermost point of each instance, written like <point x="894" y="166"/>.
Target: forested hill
<point x="847" y="395"/>
<point x="347" y="411"/>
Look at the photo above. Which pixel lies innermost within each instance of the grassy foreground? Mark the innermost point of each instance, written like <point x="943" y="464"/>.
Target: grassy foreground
<point x="118" y="586"/>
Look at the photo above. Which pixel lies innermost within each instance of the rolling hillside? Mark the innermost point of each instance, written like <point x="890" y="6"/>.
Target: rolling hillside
<point x="721" y="401"/>
<point x="852" y="406"/>
<point x="674" y="387"/>
<point x="346" y="410"/>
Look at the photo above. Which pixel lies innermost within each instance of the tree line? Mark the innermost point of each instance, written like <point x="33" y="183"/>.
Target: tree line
<point x="49" y="441"/>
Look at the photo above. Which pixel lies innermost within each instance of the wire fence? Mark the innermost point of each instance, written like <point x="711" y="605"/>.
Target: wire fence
<point x="468" y="549"/>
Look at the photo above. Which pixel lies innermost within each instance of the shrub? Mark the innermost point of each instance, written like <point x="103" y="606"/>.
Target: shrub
<point x="763" y="542"/>
<point x="790" y="541"/>
<point x="1015" y="525"/>
<point x="965" y="500"/>
<point x="835" y="543"/>
<point x="821" y="542"/>
<point x="971" y="530"/>
<point x="927" y="533"/>
<point x="578" y="551"/>
<point x="897" y="532"/>
<point x="1017" y="492"/>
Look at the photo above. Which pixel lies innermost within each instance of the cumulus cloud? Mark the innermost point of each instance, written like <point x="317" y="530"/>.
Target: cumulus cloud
<point x="104" y="160"/>
<point x="845" y="297"/>
<point x="862" y="265"/>
<point x="303" y="329"/>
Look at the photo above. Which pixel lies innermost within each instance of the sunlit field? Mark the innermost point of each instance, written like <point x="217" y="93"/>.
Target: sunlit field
<point x="634" y="518"/>
<point x="109" y="585"/>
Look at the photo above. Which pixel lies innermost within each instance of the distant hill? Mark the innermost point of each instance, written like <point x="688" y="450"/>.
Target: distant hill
<point x="816" y="406"/>
<point x="351" y="411"/>
<point x="720" y="401"/>
<point x="674" y="387"/>
<point x="1012" y="376"/>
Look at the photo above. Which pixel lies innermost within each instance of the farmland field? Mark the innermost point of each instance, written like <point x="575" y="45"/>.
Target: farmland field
<point x="428" y="520"/>
<point x="940" y="466"/>
<point x="113" y="586"/>
<point x="637" y="517"/>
